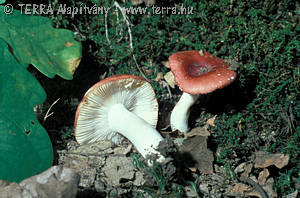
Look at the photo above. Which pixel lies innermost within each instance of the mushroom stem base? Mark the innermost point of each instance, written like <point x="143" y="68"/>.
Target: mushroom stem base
<point x="181" y="112"/>
<point x="139" y="132"/>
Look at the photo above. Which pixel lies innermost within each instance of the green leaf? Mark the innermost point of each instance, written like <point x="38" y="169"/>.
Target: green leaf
<point x="25" y="148"/>
<point x="34" y="41"/>
<point x="2" y="1"/>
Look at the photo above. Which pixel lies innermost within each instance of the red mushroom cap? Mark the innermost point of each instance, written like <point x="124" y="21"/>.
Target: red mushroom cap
<point x="196" y="72"/>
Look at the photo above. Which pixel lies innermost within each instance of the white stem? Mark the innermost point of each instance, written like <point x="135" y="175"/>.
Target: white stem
<point x="181" y="112"/>
<point x="139" y="132"/>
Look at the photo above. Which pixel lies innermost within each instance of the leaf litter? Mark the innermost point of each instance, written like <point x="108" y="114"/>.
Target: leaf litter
<point x="188" y="158"/>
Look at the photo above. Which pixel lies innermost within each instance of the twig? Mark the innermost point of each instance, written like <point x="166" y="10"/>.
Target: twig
<point x="106" y="29"/>
<point x="121" y="28"/>
<point x="255" y="186"/>
<point x="138" y="67"/>
<point x="168" y="88"/>
<point x="126" y="21"/>
<point x="77" y="32"/>
<point x="48" y="114"/>
<point x="130" y="38"/>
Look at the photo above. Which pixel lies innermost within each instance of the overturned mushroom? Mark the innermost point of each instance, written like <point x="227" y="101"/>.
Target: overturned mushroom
<point x="121" y="104"/>
<point x="196" y="73"/>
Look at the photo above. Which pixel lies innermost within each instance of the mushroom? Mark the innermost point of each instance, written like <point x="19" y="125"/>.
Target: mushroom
<point x="196" y="73"/>
<point x="116" y="107"/>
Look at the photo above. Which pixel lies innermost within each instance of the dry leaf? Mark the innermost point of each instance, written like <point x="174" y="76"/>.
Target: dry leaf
<point x="292" y="195"/>
<point x="147" y="71"/>
<point x="247" y="170"/>
<point x="159" y="77"/>
<point x="262" y="177"/>
<point x="166" y="64"/>
<point x="211" y="121"/>
<point x="193" y="169"/>
<point x="200" y="131"/>
<point x="169" y="77"/>
<point x="195" y="154"/>
<point x="135" y="2"/>
<point x="201" y="52"/>
<point x="240" y="125"/>
<point x="149" y="2"/>
<point x="264" y="159"/>
<point x="239" y="188"/>
<point x="254" y="193"/>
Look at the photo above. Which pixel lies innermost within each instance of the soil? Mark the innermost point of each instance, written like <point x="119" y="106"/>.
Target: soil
<point x="112" y="170"/>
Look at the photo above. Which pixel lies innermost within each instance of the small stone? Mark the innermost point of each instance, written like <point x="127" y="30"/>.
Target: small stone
<point x="56" y="182"/>
<point x="240" y="168"/>
<point x="139" y="179"/>
<point x="179" y="141"/>
<point x="204" y="188"/>
<point x="72" y="145"/>
<point x="189" y="192"/>
<point x="217" y="178"/>
<point x="120" y="150"/>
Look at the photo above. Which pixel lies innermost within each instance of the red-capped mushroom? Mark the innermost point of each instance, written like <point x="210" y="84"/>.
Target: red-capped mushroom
<point x="116" y="107"/>
<point x="196" y="73"/>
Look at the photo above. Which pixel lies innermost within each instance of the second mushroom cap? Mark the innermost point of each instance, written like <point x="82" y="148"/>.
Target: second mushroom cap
<point x="196" y="72"/>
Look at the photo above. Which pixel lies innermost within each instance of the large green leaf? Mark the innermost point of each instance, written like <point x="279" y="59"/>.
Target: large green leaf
<point x="34" y="41"/>
<point x="25" y="148"/>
